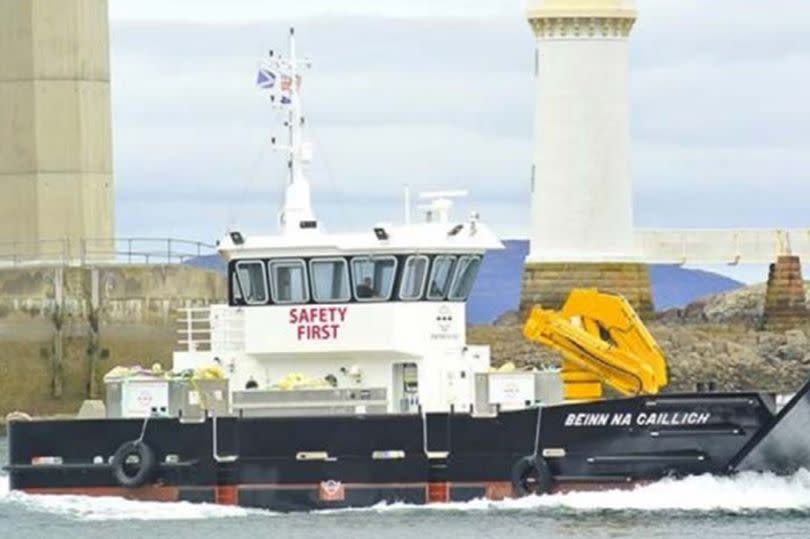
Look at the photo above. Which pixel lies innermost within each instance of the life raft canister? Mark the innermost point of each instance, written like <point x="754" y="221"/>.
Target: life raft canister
<point x="531" y="475"/>
<point x="133" y="464"/>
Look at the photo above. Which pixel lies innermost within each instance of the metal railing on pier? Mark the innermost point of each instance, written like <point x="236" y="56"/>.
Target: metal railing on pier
<point x="99" y="251"/>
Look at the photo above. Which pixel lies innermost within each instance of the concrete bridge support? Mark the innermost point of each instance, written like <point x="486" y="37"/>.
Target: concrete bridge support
<point x="55" y="125"/>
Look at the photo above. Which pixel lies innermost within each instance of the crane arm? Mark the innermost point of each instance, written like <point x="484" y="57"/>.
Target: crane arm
<point x="602" y="342"/>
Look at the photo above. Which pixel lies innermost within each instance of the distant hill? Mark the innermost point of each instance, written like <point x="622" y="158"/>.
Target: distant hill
<point x="497" y="289"/>
<point x="211" y="262"/>
<point x="675" y="286"/>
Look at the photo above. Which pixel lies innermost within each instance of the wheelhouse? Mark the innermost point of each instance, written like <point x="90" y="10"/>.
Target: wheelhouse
<point x="360" y="278"/>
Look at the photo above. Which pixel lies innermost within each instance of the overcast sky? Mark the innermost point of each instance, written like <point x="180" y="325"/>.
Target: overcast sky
<point x="438" y="94"/>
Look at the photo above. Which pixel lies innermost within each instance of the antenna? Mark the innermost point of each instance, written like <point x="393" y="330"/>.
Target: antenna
<point x="459" y="193"/>
<point x="281" y="78"/>
<point x="440" y="203"/>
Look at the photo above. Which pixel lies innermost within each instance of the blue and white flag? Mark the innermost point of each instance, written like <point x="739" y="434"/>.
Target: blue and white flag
<point x="266" y="79"/>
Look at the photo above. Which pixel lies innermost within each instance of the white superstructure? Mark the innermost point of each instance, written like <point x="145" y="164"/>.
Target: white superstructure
<point x="378" y="313"/>
<point x="581" y="179"/>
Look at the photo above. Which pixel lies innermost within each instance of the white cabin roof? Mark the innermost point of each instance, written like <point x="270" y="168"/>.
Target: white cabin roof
<point x="437" y="237"/>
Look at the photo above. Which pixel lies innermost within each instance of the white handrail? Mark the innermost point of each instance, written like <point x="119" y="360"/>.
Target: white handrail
<point x="202" y="330"/>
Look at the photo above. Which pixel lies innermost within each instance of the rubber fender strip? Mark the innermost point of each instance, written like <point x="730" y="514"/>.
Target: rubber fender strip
<point x="622" y="459"/>
<point x="728" y="431"/>
<point x="90" y="466"/>
<point x="76" y="466"/>
<point x="684" y="401"/>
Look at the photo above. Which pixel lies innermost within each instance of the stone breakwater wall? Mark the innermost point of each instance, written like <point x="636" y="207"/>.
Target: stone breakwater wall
<point x="62" y="328"/>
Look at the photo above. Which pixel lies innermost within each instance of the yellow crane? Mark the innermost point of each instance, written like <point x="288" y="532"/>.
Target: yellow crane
<point x="602" y="342"/>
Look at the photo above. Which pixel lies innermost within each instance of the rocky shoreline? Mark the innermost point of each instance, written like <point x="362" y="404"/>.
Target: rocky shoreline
<point x="716" y="339"/>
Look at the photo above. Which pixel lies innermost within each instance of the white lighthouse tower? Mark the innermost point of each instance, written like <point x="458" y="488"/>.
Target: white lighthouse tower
<point x="582" y="212"/>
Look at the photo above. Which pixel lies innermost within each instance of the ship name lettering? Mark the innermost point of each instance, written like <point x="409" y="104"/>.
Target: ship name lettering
<point x="667" y="419"/>
<point x="621" y="420"/>
<point x="587" y="420"/>
<point x="643" y="419"/>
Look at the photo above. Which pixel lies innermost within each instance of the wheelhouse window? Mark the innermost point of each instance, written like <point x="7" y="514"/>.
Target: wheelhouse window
<point x="373" y="277"/>
<point x="413" y="278"/>
<point x="330" y="280"/>
<point x="440" y="277"/>
<point x="252" y="280"/>
<point x="288" y="279"/>
<point x="466" y="271"/>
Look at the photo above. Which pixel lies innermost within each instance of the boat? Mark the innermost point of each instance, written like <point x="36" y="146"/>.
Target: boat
<point x="338" y="375"/>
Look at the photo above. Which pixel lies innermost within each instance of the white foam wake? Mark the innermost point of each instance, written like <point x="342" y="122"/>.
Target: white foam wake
<point x="744" y="493"/>
<point x="100" y="508"/>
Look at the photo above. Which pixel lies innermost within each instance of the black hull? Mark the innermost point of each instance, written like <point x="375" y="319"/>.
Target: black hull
<point x="354" y="461"/>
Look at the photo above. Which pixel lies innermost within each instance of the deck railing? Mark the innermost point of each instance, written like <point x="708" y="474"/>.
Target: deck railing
<point x="205" y="329"/>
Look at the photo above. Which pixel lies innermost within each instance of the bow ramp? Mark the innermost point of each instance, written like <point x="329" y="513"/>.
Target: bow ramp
<point x="782" y="446"/>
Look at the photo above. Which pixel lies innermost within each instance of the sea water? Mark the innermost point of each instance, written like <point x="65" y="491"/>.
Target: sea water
<point x="749" y="505"/>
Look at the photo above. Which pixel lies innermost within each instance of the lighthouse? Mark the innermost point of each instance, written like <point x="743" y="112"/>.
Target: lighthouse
<point x="581" y="182"/>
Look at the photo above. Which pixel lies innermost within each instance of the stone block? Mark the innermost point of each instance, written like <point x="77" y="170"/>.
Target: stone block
<point x="785" y="300"/>
<point x="548" y="284"/>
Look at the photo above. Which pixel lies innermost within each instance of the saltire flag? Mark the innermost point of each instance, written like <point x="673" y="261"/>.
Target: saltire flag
<point x="275" y="78"/>
<point x="266" y="79"/>
<point x="286" y="83"/>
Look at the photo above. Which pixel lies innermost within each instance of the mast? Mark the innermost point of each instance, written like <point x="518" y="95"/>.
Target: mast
<point x="282" y="77"/>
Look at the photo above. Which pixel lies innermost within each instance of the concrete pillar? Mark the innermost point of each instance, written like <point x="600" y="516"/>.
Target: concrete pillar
<point x="785" y="301"/>
<point x="55" y="130"/>
<point x="582" y="212"/>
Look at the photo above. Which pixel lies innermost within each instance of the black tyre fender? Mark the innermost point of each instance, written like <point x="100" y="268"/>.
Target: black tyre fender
<point x="145" y="468"/>
<point x="531" y="475"/>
